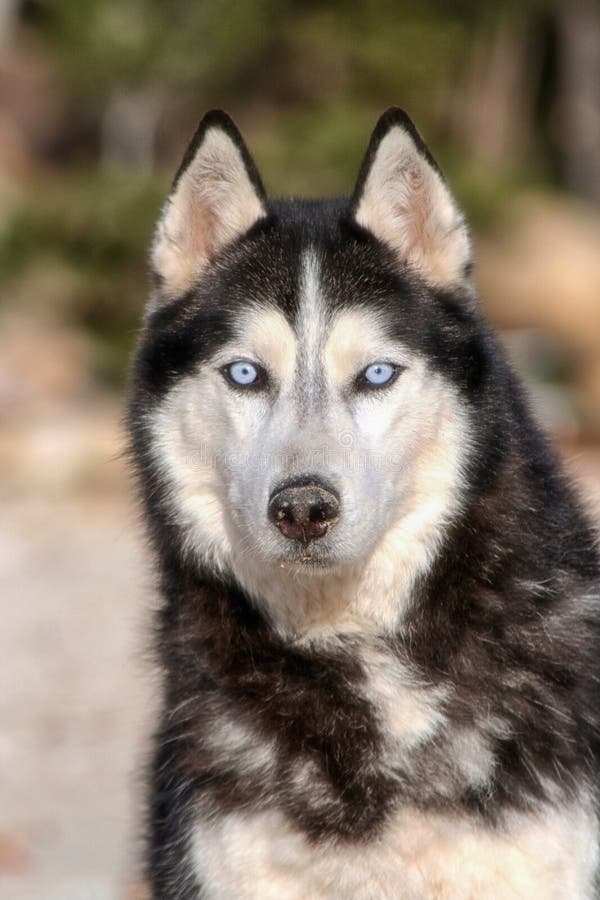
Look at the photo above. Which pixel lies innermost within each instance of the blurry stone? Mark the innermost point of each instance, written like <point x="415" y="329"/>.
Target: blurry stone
<point x="57" y="432"/>
<point x="541" y="269"/>
<point x="14" y="858"/>
<point x="40" y="361"/>
<point x="63" y="449"/>
<point x="588" y="387"/>
<point x="543" y="364"/>
<point x="139" y="890"/>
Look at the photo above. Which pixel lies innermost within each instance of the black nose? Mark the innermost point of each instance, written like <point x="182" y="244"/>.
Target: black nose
<point x="304" y="511"/>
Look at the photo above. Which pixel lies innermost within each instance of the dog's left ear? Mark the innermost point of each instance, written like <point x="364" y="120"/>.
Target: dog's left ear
<point x="217" y="196"/>
<point x="401" y="197"/>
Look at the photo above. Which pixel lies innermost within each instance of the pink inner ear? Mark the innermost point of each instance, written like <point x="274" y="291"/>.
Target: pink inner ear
<point x="215" y="200"/>
<point x="407" y="205"/>
<point x="202" y="228"/>
<point x="414" y="211"/>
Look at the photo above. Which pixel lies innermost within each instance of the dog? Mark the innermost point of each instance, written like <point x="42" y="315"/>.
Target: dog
<point x="380" y="628"/>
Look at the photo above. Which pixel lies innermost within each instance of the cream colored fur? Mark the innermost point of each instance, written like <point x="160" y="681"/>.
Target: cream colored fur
<point x="417" y="856"/>
<point x="406" y="204"/>
<point x="213" y="203"/>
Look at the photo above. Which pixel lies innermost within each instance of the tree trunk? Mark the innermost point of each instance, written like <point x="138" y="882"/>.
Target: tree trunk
<point x="579" y="102"/>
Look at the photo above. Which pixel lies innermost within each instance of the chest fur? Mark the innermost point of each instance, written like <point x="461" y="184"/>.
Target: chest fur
<point x="332" y="746"/>
<point x="324" y="776"/>
<point x="416" y="857"/>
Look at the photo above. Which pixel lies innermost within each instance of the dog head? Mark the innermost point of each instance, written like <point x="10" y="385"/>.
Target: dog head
<point x="301" y="391"/>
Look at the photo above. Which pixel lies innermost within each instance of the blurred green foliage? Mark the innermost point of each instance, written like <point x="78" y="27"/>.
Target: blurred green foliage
<point x="305" y="80"/>
<point x="97" y="225"/>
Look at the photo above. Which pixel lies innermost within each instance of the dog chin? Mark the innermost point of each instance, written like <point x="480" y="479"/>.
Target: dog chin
<point x="310" y="561"/>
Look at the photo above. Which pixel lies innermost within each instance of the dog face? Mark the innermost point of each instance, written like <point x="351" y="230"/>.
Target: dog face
<point x="304" y="364"/>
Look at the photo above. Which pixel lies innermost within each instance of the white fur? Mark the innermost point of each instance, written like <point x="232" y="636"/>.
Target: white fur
<point x="312" y="321"/>
<point x="236" y="744"/>
<point x="409" y="711"/>
<point x="406" y="204"/>
<point x="417" y="856"/>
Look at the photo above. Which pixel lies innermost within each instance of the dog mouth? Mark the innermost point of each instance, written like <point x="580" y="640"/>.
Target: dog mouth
<point x="307" y="558"/>
<point x="305" y="561"/>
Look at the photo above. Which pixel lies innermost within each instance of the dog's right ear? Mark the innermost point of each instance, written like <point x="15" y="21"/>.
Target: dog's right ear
<point x="217" y="196"/>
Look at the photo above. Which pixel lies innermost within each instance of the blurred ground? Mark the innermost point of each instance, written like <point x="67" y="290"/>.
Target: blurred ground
<point x="77" y="692"/>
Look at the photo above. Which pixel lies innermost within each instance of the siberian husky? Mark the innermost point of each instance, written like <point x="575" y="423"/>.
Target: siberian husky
<point x="380" y="633"/>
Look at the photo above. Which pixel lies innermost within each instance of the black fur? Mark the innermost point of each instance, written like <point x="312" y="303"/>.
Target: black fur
<point x="498" y="617"/>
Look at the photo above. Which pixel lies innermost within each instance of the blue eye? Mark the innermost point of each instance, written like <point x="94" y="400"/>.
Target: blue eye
<point x="243" y="374"/>
<point x="379" y="373"/>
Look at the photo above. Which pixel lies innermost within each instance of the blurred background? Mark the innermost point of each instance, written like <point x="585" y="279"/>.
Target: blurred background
<point x="97" y="102"/>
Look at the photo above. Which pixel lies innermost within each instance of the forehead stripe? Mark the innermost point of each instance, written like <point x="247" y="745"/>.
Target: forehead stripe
<point x="311" y="326"/>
